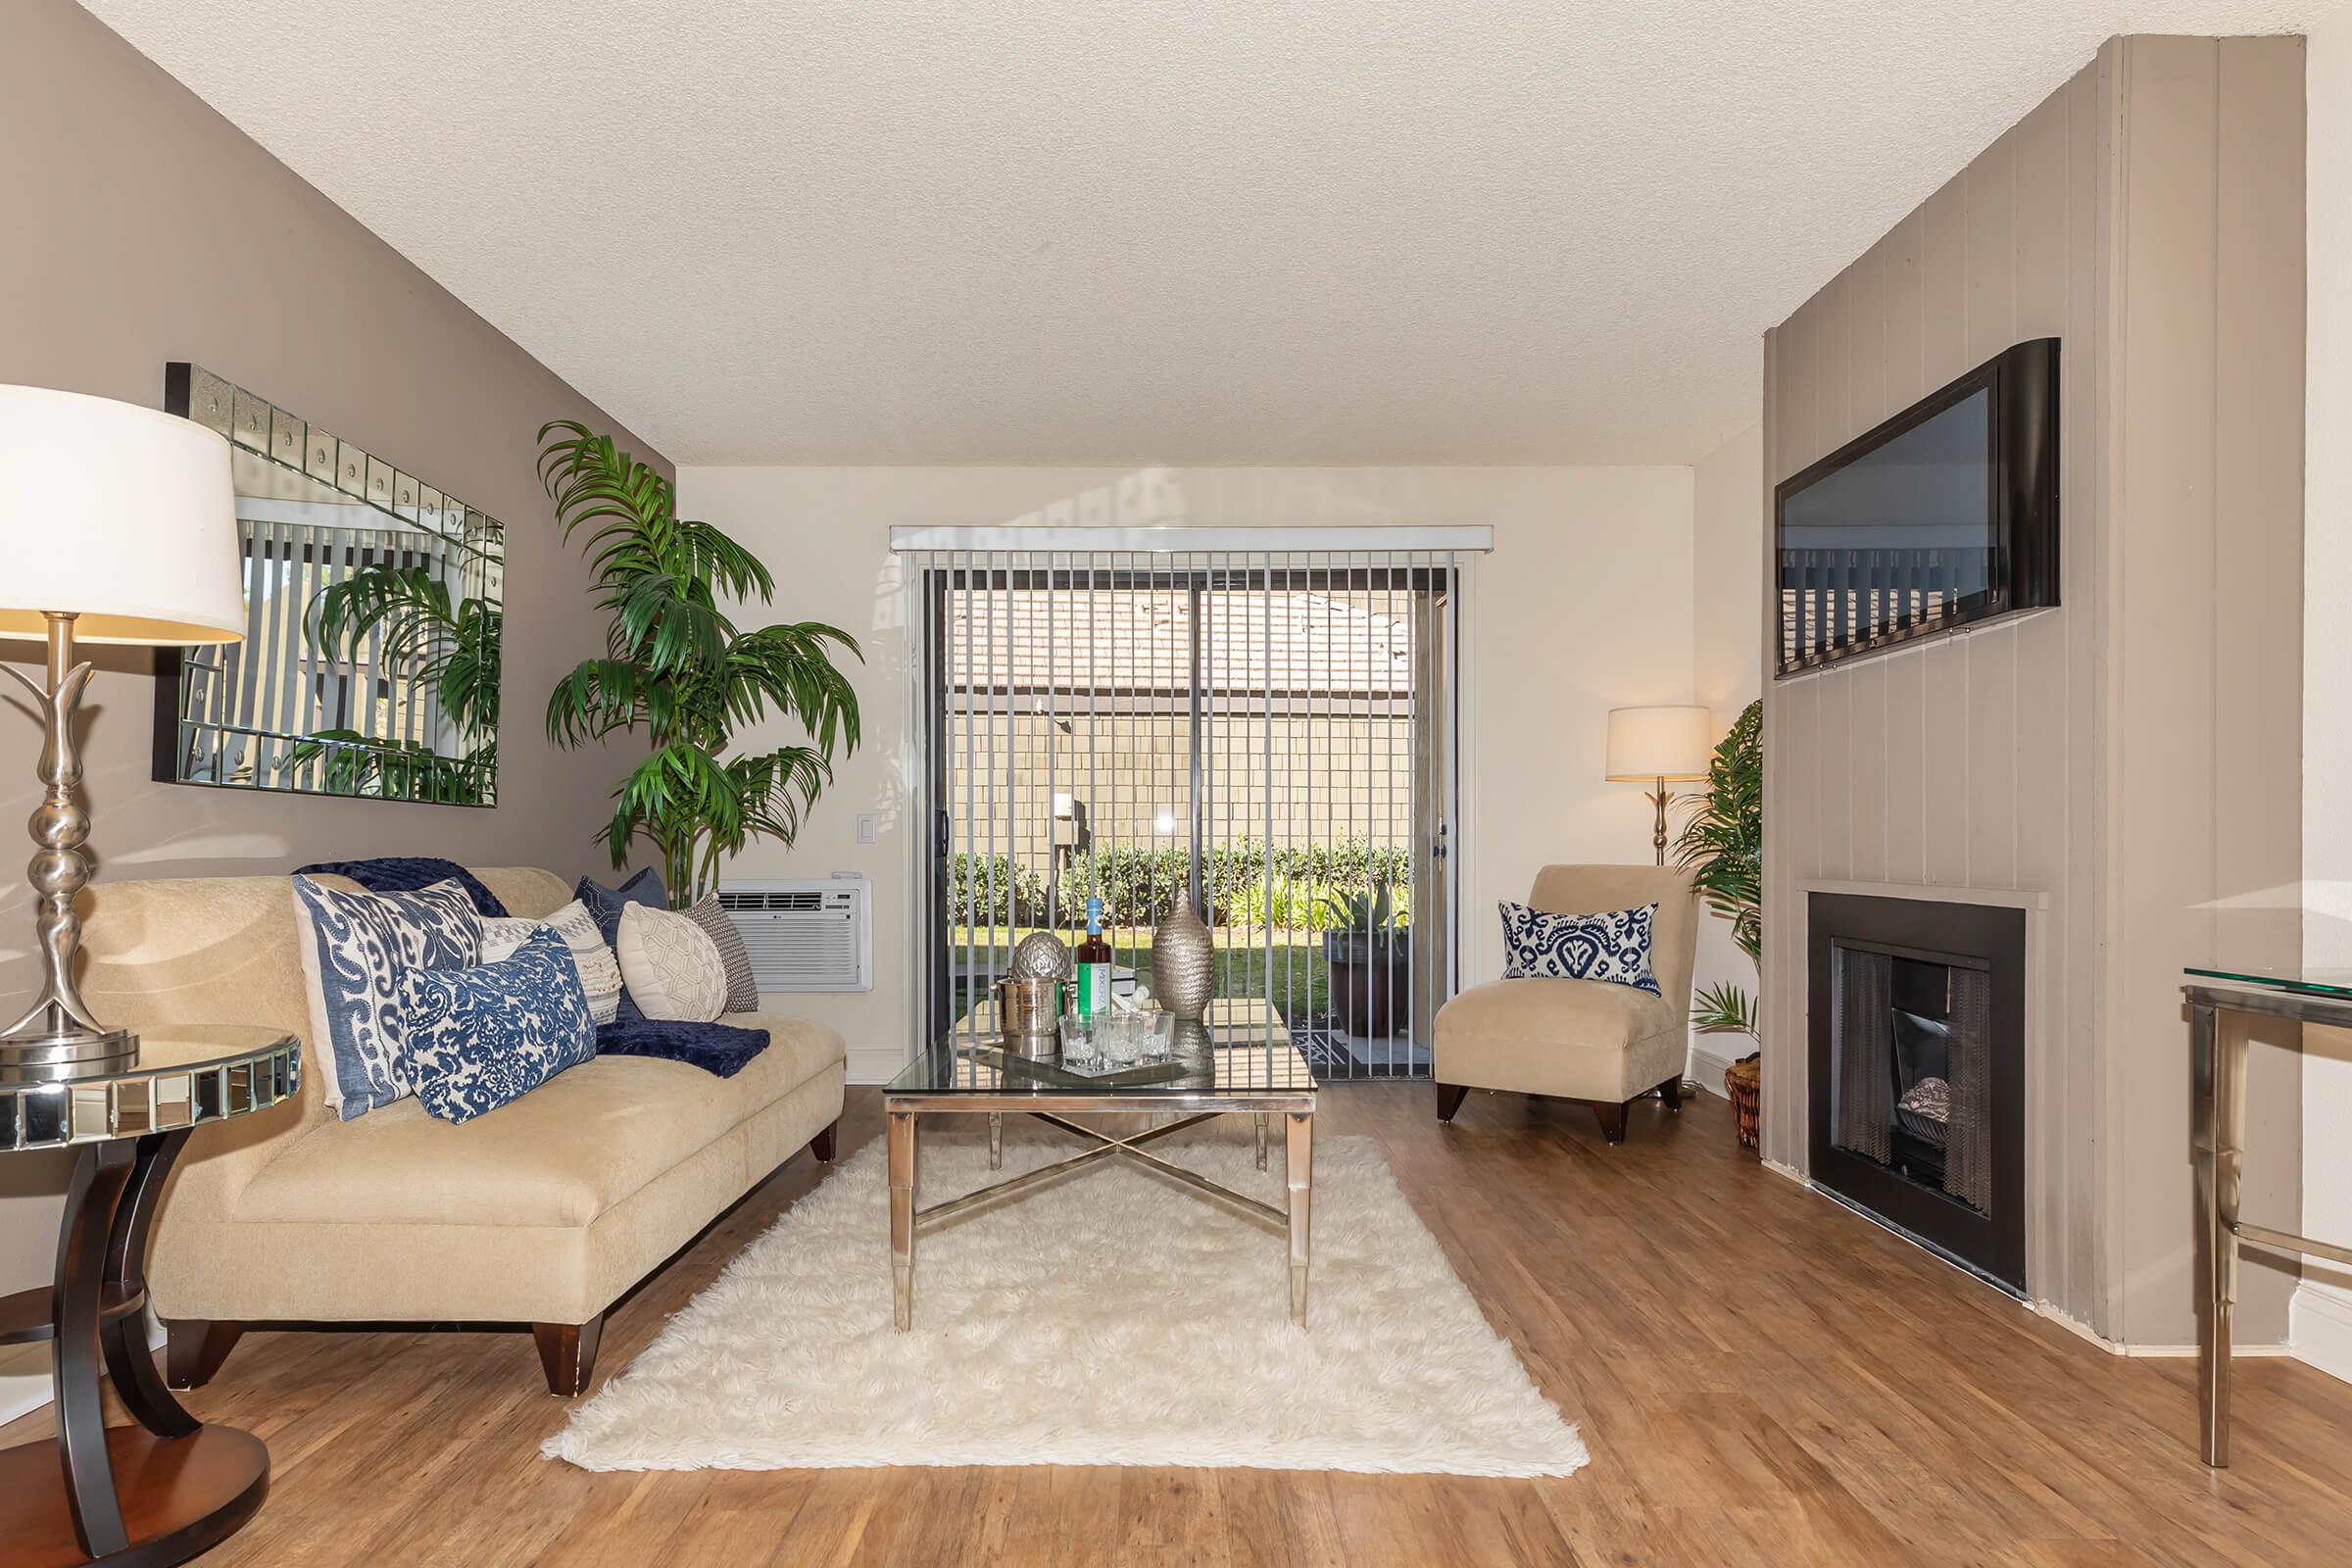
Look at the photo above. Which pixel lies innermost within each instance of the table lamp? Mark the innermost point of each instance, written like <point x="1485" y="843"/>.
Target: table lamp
<point x="118" y="525"/>
<point x="1658" y="746"/>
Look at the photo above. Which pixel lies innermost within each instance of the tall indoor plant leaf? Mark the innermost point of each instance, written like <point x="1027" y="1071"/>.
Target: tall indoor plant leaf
<point x="447" y="643"/>
<point x="1722" y="847"/>
<point x="675" y="663"/>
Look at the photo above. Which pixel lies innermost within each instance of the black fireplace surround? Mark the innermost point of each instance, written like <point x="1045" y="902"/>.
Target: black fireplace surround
<point x="1916" y="1075"/>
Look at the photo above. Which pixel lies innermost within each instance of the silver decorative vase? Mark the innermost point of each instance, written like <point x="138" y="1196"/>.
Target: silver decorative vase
<point x="1183" y="963"/>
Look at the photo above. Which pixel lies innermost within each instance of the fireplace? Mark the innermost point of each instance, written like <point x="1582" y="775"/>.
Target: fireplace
<point x="1917" y="1071"/>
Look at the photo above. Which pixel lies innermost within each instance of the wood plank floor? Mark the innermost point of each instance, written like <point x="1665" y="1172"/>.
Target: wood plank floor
<point x="1761" y="1376"/>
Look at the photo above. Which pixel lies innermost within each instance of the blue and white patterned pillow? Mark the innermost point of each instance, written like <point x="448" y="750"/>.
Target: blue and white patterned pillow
<point x="604" y="906"/>
<point x="1612" y="947"/>
<point x="353" y="946"/>
<point x="481" y="1038"/>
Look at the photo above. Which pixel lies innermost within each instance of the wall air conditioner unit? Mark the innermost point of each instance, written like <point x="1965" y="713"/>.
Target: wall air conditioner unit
<point x="805" y="936"/>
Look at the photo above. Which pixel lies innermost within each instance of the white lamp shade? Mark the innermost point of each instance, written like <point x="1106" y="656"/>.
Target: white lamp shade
<point x="122" y="515"/>
<point x="1654" y="743"/>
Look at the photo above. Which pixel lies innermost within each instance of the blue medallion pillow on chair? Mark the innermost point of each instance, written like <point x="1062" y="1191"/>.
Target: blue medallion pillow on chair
<point x="604" y="906"/>
<point x="1612" y="947"/>
<point x="476" y="1038"/>
<point x="354" y="947"/>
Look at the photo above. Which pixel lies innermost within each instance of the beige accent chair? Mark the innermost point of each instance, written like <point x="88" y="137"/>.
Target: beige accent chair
<point x="543" y="1212"/>
<point x="1606" y="1044"/>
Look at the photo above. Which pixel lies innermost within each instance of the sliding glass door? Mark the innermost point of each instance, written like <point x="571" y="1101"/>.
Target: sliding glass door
<point x="1270" y="734"/>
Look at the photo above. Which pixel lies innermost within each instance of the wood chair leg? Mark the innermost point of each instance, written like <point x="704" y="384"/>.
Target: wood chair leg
<point x="824" y="1143"/>
<point x="1613" y="1121"/>
<point x="194" y="1349"/>
<point x="568" y="1354"/>
<point x="1671" y="1092"/>
<point x="1450" y="1099"/>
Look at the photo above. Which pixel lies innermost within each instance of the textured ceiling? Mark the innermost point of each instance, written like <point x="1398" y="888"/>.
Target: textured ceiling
<point x="1223" y="231"/>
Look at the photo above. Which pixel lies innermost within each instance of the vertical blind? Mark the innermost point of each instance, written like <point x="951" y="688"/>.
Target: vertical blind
<point x="246" y="706"/>
<point x="1269" y="732"/>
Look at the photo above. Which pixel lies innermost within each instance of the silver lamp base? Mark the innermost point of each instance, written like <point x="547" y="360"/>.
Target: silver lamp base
<point x="62" y="1059"/>
<point x="57" y="1039"/>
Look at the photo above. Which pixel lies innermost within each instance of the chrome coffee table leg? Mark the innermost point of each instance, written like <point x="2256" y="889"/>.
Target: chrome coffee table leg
<point x="901" y="1218"/>
<point x="2217" y="1070"/>
<point x="1299" y="1181"/>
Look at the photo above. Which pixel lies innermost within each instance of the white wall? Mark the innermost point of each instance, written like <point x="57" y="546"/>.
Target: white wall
<point x="2320" y="1321"/>
<point x="1585" y="604"/>
<point x="1727" y="665"/>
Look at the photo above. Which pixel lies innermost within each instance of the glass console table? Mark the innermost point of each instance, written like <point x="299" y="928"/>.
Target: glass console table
<point x="2218" y="1136"/>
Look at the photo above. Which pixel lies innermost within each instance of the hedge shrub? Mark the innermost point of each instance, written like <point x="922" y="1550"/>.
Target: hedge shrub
<point x="1138" y="884"/>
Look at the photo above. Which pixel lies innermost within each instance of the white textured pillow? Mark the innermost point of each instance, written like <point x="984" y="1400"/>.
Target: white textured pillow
<point x="503" y="935"/>
<point x="671" y="965"/>
<point x="600" y="971"/>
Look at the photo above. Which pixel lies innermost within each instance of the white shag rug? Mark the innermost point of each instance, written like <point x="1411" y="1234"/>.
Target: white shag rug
<point x="1109" y="1317"/>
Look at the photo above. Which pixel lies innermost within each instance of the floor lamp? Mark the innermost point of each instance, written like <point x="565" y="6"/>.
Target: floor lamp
<point x="118" y="525"/>
<point x="1658" y="746"/>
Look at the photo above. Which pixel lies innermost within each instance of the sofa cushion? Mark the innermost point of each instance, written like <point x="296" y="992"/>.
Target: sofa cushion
<point x="604" y="906"/>
<point x="1612" y="946"/>
<point x="353" y="948"/>
<point x="599" y="970"/>
<point x="560" y="1155"/>
<point x="743" y="989"/>
<point x="474" y="1040"/>
<point x="1581" y="1038"/>
<point x="671" y="965"/>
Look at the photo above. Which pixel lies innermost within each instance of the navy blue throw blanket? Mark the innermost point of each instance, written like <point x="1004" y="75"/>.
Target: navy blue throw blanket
<point x="410" y="873"/>
<point x="716" y="1048"/>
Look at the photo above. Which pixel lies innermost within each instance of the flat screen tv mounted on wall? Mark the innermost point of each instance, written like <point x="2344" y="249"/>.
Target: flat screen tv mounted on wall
<point x="1942" y="516"/>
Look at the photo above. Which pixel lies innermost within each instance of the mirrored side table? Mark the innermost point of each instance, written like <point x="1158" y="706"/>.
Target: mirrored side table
<point x="167" y="1488"/>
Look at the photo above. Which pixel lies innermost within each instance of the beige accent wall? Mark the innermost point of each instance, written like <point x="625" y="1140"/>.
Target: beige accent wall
<point x="1726" y="674"/>
<point x="142" y="228"/>
<point x="2130" y="759"/>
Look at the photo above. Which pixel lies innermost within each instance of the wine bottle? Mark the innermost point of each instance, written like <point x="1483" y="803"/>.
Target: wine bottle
<point x="1093" y="964"/>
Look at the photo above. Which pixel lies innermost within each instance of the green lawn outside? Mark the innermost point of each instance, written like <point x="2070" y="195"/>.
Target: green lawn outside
<point x="1301" y="979"/>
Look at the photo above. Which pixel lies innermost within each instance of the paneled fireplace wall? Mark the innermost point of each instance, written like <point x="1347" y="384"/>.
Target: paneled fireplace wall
<point x="2126" y="767"/>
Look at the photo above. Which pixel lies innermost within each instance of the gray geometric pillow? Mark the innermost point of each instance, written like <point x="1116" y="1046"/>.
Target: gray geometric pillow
<point x="354" y="946"/>
<point x="743" y="992"/>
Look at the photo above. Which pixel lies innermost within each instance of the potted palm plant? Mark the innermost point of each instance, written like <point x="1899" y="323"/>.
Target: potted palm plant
<point x="1369" y="950"/>
<point x="676" y="663"/>
<point x="1722" y="847"/>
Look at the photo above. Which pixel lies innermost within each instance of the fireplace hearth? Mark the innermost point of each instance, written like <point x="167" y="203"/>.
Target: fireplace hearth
<point x="1917" y="1071"/>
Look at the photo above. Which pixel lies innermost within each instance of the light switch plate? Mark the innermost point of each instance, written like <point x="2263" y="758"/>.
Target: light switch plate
<point x="865" y="827"/>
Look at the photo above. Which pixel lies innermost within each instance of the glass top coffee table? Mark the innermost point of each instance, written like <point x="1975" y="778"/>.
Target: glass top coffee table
<point x="1238" y="1059"/>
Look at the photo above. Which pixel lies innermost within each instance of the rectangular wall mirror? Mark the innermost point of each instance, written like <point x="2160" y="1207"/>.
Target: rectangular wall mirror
<point x="370" y="660"/>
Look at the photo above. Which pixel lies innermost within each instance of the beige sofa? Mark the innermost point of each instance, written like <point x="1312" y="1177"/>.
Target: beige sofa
<point x="542" y="1213"/>
<point x="1605" y="1044"/>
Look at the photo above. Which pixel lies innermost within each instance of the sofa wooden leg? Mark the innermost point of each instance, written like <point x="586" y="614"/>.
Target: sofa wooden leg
<point x="823" y="1144"/>
<point x="1613" y="1121"/>
<point x="568" y="1354"/>
<point x="1671" y="1092"/>
<point x="1450" y="1099"/>
<point x="195" y="1348"/>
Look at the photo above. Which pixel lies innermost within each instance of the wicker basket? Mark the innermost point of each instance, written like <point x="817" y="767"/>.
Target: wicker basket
<point x="1743" y="1082"/>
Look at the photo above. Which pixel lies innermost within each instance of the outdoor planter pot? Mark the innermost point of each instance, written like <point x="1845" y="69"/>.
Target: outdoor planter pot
<point x="1371" y="980"/>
